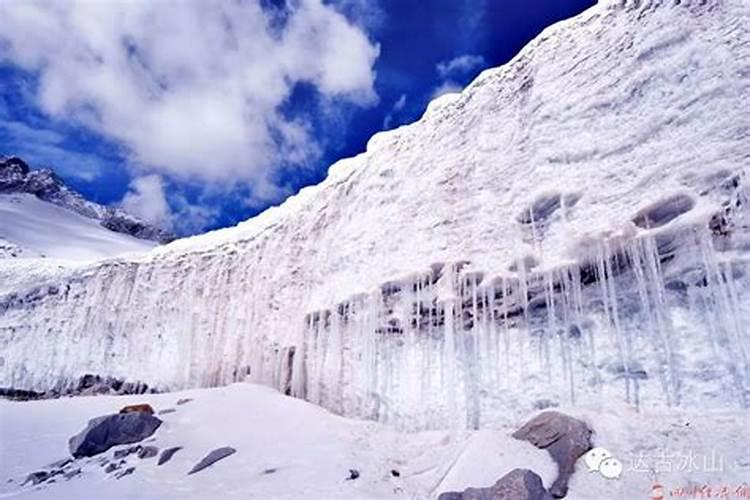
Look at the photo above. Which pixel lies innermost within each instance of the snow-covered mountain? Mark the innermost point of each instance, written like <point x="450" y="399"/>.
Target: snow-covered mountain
<point x="17" y="178"/>
<point x="571" y="229"/>
<point x="30" y="227"/>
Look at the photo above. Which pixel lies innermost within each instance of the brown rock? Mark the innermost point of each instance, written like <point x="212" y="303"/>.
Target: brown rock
<point x="565" y="439"/>
<point x="144" y="408"/>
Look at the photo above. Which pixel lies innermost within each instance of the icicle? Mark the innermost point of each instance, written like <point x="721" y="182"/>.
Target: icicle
<point x="506" y="332"/>
<point x="725" y="314"/>
<point x="549" y="296"/>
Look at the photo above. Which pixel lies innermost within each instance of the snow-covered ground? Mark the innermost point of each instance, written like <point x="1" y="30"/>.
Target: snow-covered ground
<point x="290" y="449"/>
<point x="32" y="228"/>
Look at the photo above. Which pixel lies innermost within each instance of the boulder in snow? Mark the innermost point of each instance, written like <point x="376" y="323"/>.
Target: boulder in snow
<point x="148" y="452"/>
<point x="102" y="433"/>
<point x="518" y="484"/>
<point x="565" y="439"/>
<point x="167" y="454"/>
<point x="124" y="473"/>
<point x="37" y="477"/>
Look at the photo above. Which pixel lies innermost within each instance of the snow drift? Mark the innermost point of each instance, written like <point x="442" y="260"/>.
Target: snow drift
<point x="569" y="229"/>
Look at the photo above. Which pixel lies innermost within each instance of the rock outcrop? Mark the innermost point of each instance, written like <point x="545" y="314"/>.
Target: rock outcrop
<point x="212" y="458"/>
<point x="565" y="439"/>
<point x="102" y="433"/>
<point x="167" y="454"/>
<point x="518" y="484"/>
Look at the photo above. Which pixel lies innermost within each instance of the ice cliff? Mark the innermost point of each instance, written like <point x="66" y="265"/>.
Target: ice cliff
<point x="572" y="228"/>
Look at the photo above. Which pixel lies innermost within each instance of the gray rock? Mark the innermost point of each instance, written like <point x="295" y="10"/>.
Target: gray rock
<point x="353" y="474"/>
<point x="71" y="474"/>
<point x="565" y="439"/>
<point x="518" y="484"/>
<point x="148" y="452"/>
<point x="212" y="458"/>
<point x="19" y="394"/>
<point x="59" y="464"/>
<point x="124" y="473"/>
<point x="451" y="495"/>
<point x="183" y="401"/>
<point x="111" y="468"/>
<point x="168" y="410"/>
<point x="36" y="477"/>
<point x="167" y="455"/>
<point x="102" y="433"/>
<point x="127" y="451"/>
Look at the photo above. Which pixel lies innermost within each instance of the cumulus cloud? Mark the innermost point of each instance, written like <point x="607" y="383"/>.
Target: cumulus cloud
<point x="368" y="13"/>
<point x="147" y="199"/>
<point x="459" y="66"/>
<point x="44" y="147"/>
<point x="192" y="89"/>
<point x="456" y="70"/>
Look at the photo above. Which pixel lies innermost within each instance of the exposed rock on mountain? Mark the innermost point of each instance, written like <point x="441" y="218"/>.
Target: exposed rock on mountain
<point x="17" y="177"/>
<point x="107" y="431"/>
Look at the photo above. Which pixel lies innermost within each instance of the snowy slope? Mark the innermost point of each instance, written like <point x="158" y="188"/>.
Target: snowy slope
<point x="41" y="229"/>
<point x="569" y="229"/>
<point x="289" y="449"/>
<point x="16" y="177"/>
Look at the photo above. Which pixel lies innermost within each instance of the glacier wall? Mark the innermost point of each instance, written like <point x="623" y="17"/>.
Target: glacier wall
<point x="637" y="322"/>
<point x="571" y="228"/>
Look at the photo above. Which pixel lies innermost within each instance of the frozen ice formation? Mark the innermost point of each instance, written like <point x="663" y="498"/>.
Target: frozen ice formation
<point x="570" y="229"/>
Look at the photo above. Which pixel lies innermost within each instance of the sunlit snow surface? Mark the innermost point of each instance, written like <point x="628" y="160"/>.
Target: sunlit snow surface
<point x="40" y="229"/>
<point x="570" y="229"/>
<point x="290" y="449"/>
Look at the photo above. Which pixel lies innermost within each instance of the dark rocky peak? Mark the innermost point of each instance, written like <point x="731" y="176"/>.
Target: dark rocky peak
<point x="13" y="162"/>
<point x="17" y="177"/>
<point x="13" y="173"/>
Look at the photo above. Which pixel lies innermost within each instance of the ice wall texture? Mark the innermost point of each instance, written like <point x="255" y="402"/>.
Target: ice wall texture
<point x="571" y="228"/>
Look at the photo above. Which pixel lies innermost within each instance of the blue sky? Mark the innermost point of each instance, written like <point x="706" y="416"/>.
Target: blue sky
<point x="199" y="114"/>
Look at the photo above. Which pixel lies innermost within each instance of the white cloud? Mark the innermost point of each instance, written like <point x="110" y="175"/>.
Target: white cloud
<point x="368" y="13"/>
<point x="454" y="70"/>
<point x="43" y="147"/>
<point x="397" y="106"/>
<point x="146" y="200"/>
<point x="459" y="66"/>
<point x="400" y="103"/>
<point x="448" y="87"/>
<point x="192" y="89"/>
